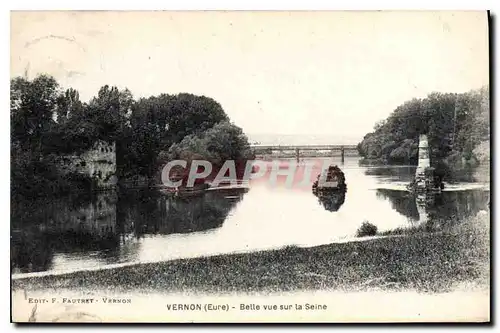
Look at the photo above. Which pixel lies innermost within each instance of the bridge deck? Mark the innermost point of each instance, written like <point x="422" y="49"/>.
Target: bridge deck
<point x="303" y="147"/>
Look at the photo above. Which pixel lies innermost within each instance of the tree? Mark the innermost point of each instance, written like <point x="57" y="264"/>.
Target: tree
<point x="47" y="122"/>
<point x="142" y="139"/>
<point x="222" y="142"/>
<point x="160" y="122"/>
<point x="454" y="123"/>
<point x="190" y="114"/>
<point x="226" y="141"/>
<point x="68" y="106"/>
<point x="109" y="111"/>
<point x="33" y="104"/>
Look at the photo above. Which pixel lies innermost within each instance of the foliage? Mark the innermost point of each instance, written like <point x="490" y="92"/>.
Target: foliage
<point x="366" y="229"/>
<point x="189" y="114"/>
<point x="47" y="121"/>
<point x="222" y="142"/>
<point x="157" y="122"/>
<point x="454" y="123"/>
<point x="32" y="104"/>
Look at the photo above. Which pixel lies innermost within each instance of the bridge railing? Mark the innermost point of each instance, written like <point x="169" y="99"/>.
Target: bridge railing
<point x="304" y="147"/>
<point x="331" y="149"/>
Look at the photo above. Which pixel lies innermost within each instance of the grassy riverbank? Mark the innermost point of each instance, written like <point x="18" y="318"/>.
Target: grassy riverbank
<point x="418" y="261"/>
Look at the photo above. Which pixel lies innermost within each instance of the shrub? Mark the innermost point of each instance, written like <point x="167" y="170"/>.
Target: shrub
<point x="366" y="229"/>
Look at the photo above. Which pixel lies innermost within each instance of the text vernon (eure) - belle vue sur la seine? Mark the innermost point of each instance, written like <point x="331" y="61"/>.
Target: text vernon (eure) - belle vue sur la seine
<point x="250" y="166"/>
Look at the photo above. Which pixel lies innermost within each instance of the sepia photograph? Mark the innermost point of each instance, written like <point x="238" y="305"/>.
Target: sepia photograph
<point x="250" y="166"/>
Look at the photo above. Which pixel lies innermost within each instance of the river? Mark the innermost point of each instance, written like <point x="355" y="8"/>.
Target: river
<point x="112" y="229"/>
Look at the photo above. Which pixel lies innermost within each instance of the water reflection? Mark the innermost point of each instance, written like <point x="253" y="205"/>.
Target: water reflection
<point x="144" y="213"/>
<point x="399" y="173"/>
<point x="436" y="211"/>
<point x="104" y="228"/>
<point x="30" y="251"/>
<point x="131" y="227"/>
<point x="402" y="202"/>
<point x="331" y="200"/>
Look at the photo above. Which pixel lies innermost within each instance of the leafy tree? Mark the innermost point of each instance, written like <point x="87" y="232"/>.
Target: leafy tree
<point x="47" y="122"/>
<point x="142" y="139"/>
<point x="108" y="112"/>
<point x="32" y="107"/>
<point x="454" y="123"/>
<point x="190" y="114"/>
<point x="222" y="142"/>
<point x="158" y="122"/>
<point x="68" y="106"/>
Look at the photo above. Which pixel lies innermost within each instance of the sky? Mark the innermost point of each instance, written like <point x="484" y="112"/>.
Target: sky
<point x="323" y="74"/>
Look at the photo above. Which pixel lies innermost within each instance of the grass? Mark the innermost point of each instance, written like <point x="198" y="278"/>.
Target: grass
<point x="425" y="262"/>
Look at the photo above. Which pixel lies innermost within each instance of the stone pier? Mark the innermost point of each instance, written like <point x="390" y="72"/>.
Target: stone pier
<point x="424" y="175"/>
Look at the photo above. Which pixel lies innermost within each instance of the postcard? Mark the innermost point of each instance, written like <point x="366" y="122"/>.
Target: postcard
<point x="250" y="166"/>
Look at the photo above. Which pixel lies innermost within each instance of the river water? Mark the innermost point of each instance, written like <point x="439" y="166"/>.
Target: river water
<point x="112" y="229"/>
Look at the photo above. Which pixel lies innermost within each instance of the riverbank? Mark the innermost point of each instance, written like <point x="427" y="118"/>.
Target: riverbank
<point x="422" y="262"/>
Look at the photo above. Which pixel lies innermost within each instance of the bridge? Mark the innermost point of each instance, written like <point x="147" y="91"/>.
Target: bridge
<point x="332" y="149"/>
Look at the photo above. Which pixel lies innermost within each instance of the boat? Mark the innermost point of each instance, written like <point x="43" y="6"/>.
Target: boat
<point x="239" y="186"/>
<point x="184" y="191"/>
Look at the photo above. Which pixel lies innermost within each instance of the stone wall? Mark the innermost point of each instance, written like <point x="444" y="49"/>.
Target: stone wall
<point x="99" y="163"/>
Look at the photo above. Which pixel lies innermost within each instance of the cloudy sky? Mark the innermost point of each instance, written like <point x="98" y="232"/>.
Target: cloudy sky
<point x="322" y="73"/>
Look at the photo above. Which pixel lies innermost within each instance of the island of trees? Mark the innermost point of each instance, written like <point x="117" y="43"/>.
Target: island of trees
<point x="48" y="122"/>
<point x="457" y="127"/>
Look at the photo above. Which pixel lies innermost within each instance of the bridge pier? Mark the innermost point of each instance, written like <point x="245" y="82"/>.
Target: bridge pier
<point x="297" y="154"/>
<point x="333" y="151"/>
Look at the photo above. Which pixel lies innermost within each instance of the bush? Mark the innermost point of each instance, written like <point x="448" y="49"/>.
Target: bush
<point x="366" y="229"/>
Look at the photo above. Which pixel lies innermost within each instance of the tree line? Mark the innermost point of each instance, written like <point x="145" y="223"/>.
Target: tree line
<point x="457" y="127"/>
<point x="48" y="121"/>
